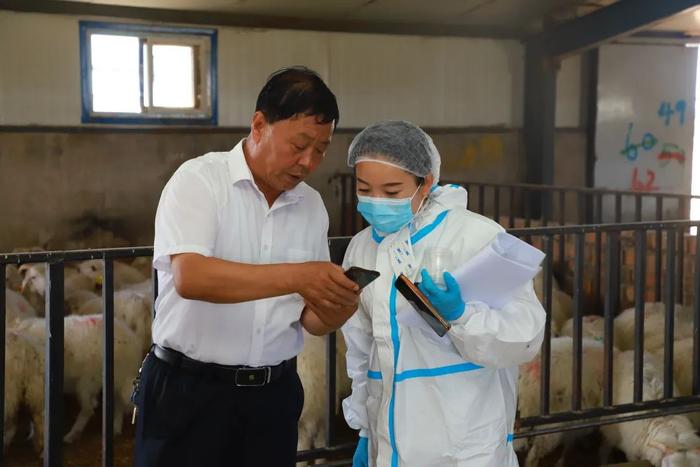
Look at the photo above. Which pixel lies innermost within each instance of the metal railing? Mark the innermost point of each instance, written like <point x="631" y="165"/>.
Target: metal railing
<point x="541" y="204"/>
<point x="53" y="378"/>
<point x="544" y="237"/>
<point x="676" y="236"/>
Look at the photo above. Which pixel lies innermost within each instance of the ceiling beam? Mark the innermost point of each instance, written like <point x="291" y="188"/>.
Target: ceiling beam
<point x="606" y="24"/>
<point x="218" y="18"/>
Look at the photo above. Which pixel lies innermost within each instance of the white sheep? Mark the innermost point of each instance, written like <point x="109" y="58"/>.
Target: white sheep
<point x="562" y="303"/>
<point x="561" y="370"/>
<point x="593" y="327"/>
<point x="670" y="440"/>
<point x="83" y="345"/>
<point x="682" y="364"/>
<point x="311" y="366"/>
<point x="24" y="382"/>
<point x="654" y="325"/>
<point x="73" y="300"/>
<point x="13" y="278"/>
<point x="17" y="308"/>
<point x="682" y="371"/>
<point x="144" y="264"/>
<point x="145" y="289"/>
<point x="130" y="307"/>
<point x="124" y="275"/>
<point x="34" y="286"/>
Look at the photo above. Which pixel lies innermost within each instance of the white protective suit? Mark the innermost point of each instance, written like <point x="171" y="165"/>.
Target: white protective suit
<point x="422" y="400"/>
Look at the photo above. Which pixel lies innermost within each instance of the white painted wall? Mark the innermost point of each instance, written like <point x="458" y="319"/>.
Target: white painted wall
<point x="633" y="83"/>
<point x="39" y="70"/>
<point x="433" y="81"/>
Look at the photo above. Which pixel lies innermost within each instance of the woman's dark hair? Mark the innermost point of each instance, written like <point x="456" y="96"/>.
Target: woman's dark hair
<point x="297" y="91"/>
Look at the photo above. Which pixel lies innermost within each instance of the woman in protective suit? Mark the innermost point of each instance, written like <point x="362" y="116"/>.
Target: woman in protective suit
<point x="418" y="399"/>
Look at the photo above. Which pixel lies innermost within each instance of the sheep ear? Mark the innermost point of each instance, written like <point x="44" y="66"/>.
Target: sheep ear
<point x="23" y="268"/>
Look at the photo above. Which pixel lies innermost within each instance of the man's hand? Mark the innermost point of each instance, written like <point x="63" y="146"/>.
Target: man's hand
<point x="315" y="325"/>
<point x="327" y="291"/>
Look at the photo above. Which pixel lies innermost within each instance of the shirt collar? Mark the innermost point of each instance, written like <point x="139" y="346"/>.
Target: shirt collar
<point x="237" y="165"/>
<point x="239" y="170"/>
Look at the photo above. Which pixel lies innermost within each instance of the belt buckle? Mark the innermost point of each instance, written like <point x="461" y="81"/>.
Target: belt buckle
<point x="253" y="377"/>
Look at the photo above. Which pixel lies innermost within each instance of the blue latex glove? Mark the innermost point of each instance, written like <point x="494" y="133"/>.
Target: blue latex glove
<point x="361" y="457"/>
<point x="448" y="302"/>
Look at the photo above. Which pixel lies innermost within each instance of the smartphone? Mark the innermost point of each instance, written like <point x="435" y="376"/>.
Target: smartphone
<point x="360" y="276"/>
<point x="422" y="305"/>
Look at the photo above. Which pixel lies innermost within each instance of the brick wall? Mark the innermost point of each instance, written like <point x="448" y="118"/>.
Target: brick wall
<point x="564" y="268"/>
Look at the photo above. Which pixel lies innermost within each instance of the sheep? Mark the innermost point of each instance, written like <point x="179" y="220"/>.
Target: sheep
<point x="682" y="364"/>
<point x="311" y="366"/>
<point x="144" y="264"/>
<point x="145" y="289"/>
<point x="24" y="383"/>
<point x="83" y="352"/>
<point x="561" y="365"/>
<point x="34" y="286"/>
<point x="73" y="300"/>
<point x="124" y="275"/>
<point x="669" y="441"/>
<point x="593" y="327"/>
<point x="132" y="308"/>
<point x="562" y="304"/>
<point x="13" y="278"/>
<point x="654" y="318"/>
<point x="682" y="371"/>
<point x="17" y="308"/>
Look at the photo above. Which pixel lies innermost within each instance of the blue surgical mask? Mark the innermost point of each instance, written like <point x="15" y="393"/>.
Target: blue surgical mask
<point x="387" y="215"/>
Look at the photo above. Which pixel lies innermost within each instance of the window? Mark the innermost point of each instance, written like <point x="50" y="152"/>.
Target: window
<point x="141" y="74"/>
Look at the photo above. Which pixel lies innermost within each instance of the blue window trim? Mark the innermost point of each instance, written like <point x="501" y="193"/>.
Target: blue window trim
<point x="86" y="85"/>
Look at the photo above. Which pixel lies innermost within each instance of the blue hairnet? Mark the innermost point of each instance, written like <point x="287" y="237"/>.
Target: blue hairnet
<point x="398" y="143"/>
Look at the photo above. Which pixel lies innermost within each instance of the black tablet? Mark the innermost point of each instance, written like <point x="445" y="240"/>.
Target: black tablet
<point x="422" y="305"/>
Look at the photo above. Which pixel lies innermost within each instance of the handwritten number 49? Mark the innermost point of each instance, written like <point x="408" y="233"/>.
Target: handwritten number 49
<point x="666" y="112"/>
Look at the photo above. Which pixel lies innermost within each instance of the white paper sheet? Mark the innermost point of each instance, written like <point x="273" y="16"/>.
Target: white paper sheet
<point x="494" y="273"/>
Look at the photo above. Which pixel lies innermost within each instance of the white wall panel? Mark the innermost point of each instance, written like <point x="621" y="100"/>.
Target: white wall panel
<point x="637" y="147"/>
<point x="40" y="68"/>
<point x="433" y="81"/>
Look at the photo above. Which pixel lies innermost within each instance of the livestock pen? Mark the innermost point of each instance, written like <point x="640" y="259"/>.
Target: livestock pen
<point x="628" y="245"/>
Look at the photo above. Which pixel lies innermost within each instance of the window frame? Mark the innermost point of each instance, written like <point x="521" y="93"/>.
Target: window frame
<point x="206" y="115"/>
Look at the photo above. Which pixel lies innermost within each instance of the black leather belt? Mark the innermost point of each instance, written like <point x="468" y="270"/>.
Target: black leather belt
<point x="244" y="376"/>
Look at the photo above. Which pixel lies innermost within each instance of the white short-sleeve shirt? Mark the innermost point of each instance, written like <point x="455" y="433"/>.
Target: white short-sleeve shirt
<point x="212" y="206"/>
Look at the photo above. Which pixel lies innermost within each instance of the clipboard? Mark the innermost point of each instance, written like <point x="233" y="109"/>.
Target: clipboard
<point x="422" y="305"/>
